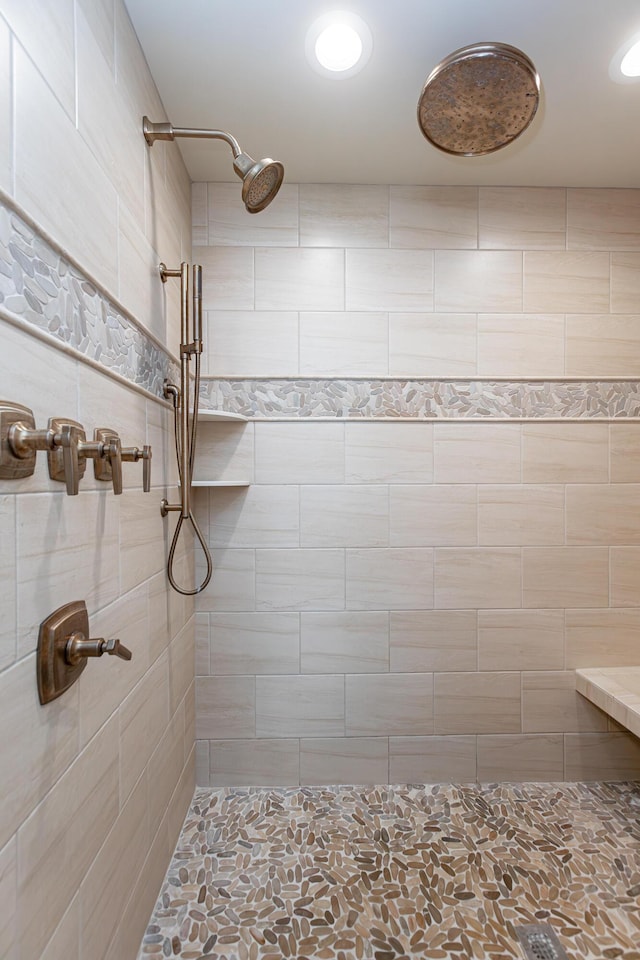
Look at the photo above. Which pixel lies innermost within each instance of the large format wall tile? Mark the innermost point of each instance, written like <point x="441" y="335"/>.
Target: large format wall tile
<point x="522" y="218"/>
<point x="344" y="344"/>
<point x="433" y="217"/>
<point x="254" y="762"/>
<point x="551" y="704"/>
<point x="300" y="706"/>
<point x="520" y="758"/>
<point x="5" y="106"/>
<point x="381" y="579"/>
<point x="299" y="279"/>
<point x="300" y="579"/>
<point x="227" y="223"/>
<point x="425" y="641"/>
<point x="478" y="281"/>
<point x="389" y="280"/>
<point x="88" y="794"/>
<point x="566" y="282"/>
<point x="565" y="453"/>
<point x="257" y="643"/>
<point x="344" y="642"/>
<point x="432" y="759"/>
<point x="520" y="639"/>
<point x="344" y="760"/>
<point x="389" y="704"/>
<point x="565" y="576"/>
<point x="476" y="703"/>
<point x="482" y="577"/>
<point x="603" y="219"/>
<point x="64" y="187"/>
<point x="438" y="515"/>
<point x="625" y="282"/>
<point x="350" y="515"/>
<point x="344" y="215"/>
<point x="436" y="344"/>
<point x="526" y="514"/>
<point x="521" y="345"/>
<point x="603" y="345"/>
<point x="251" y="343"/>
<point x="299" y="453"/>
<point x="476" y="453"/>
<point x="388" y="452"/>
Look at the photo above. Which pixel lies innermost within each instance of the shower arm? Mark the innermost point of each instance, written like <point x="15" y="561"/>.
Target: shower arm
<point x="166" y="131"/>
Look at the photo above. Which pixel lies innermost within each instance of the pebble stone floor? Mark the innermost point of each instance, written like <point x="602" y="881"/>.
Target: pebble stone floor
<point x="445" y="871"/>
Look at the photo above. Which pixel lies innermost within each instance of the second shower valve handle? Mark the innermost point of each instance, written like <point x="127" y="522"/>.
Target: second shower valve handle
<point x="68" y="450"/>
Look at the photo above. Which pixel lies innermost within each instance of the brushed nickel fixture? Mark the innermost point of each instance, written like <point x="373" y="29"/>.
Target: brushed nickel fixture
<point x="479" y="99"/>
<point x="67" y="449"/>
<point x="261" y="179"/>
<point x="107" y="449"/>
<point x="185" y="419"/>
<point x="103" y="467"/>
<point x="64" y="646"/>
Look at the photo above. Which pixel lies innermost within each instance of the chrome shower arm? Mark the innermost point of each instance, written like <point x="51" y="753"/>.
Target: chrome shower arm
<point x="166" y="131"/>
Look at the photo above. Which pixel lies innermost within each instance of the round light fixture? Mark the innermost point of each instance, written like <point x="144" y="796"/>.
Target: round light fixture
<point x="630" y="65"/>
<point x="338" y="44"/>
<point x="625" y="65"/>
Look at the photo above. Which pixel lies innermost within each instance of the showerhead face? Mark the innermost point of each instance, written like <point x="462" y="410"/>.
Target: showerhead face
<point x="479" y="99"/>
<point x="261" y="184"/>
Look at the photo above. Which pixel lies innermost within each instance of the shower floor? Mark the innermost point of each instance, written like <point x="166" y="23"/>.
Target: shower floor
<point x="406" y="871"/>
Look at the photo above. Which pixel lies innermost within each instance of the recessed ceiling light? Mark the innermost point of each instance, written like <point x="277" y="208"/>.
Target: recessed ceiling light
<point x="630" y="65"/>
<point x="625" y="65"/>
<point x="338" y="44"/>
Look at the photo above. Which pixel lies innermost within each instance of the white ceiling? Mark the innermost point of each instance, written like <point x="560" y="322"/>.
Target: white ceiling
<point x="240" y="65"/>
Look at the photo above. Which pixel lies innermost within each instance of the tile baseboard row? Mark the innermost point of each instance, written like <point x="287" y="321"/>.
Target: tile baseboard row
<point x="394" y="399"/>
<point x="47" y="293"/>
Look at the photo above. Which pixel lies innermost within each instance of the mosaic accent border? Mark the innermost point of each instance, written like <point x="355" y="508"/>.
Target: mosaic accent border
<point x="43" y="288"/>
<point x="388" y="399"/>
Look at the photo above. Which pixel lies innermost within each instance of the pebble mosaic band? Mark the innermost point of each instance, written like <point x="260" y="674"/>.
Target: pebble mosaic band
<point x="391" y="872"/>
<point x="42" y="288"/>
<point x="388" y="399"/>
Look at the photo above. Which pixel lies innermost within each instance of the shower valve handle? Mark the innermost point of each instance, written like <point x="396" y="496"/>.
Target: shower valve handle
<point x="78" y="647"/>
<point x="70" y="458"/>
<point x="113" y="453"/>
<point x="133" y="454"/>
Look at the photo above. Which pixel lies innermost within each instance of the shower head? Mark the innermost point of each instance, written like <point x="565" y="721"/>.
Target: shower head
<point x="261" y="179"/>
<point x="479" y="99"/>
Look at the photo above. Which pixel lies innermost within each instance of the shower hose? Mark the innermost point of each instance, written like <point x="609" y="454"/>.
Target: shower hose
<point x="185" y="473"/>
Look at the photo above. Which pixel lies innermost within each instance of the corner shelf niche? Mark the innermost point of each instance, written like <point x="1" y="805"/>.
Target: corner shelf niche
<point x="220" y="416"/>
<point x="205" y="416"/>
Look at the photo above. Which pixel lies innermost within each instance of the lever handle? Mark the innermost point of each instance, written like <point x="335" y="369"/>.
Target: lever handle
<point x="146" y="467"/>
<point x="116" y="649"/>
<point x="70" y="459"/>
<point x="78" y="647"/>
<point x="114" y="455"/>
<point x="132" y="455"/>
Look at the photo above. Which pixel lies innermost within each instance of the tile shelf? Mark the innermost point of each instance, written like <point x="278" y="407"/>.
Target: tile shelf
<point x="205" y="416"/>
<point x="220" y="483"/>
<point x="220" y="416"/>
<point x="616" y="690"/>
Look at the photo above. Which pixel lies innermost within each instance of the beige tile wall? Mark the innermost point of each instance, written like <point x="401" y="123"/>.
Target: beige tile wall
<point x="407" y="601"/>
<point x="341" y="280"/>
<point x="95" y="784"/>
